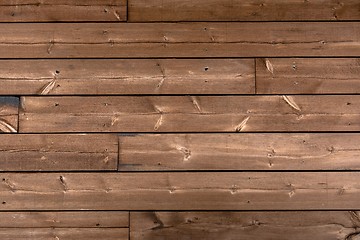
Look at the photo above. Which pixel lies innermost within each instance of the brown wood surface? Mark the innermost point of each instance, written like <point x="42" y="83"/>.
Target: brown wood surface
<point x="200" y="39"/>
<point x="9" y="107"/>
<point x="63" y="10"/>
<point x="150" y="76"/>
<point x="242" y="10"/>
<point x="272" y="151"/>
<point x="308" y="75"/>
<point x="245" y="225"/>
<point x="180" y="191"/>
<point x="74" y="219"/>
<point x="51" y="152"/>
<point x="190" y="113"/>
<point x="68" y="233"/>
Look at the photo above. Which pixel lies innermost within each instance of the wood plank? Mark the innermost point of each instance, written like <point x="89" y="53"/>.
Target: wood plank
<point x="64" y="233"/>
<point x="180" y="191"/>
<point x="9" y="109"/>
<point x="190" y="113"/>
<point x="308" y="75"/>
<point x="63" y="10"/>
<point x="74" y="219"/>
<point x="272" y="151"/>
<point x="329" y="225"/>
<point x="150" y="76"/>
<point x="242" y="10"/>
<point x="34" y="152"/>
<point x="146" y="40"/>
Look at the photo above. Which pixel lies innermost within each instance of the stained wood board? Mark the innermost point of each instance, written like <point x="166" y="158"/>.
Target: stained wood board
<point x="72" y="219"/>
<point x="180" y="191"/>
<point x="58" y="152"/>
<point x="194" y="39"/>
<point x="64" y="233"/>
<point x="308" y="76"/>
<point x="242" y="10"/>
<point x="147" y="76"/>
<point x="246" y="151"/>
<point x="190" y="113"/>
<point x="245" y="225"/>
<point x="63" y="11"/>
<point x="9" y="108"/>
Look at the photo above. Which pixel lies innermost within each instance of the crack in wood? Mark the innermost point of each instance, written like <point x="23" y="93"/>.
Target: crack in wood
<point x="291" y="102"/>
<point x="6" y="127"/>
<point x="242" y="125"/>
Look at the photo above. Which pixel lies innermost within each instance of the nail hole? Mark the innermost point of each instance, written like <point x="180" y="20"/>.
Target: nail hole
<point x="206" y="69"/>
<point x="57" y="71"/>
<point x="56" y="104"/>
<point x="3" y="202"/>
<point x="98" y="224"/>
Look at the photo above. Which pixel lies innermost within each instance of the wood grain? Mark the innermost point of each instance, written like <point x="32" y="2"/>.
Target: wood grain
<point x="150" y="76"/>
<point x="242" y="10"/>
<point x="74" y="219"/>
<point x="272" y="151"/>
<point x="180" y="191"/>
<point x="63" y="10"/>
<point x="51" y="152"/>
<point x="69" y="233"/>
<point x="9" y="108"/>
<point x="199" y="39"/>
<point x="327" y="225"/>
<point x="308" y="76"/>
<point x="190" y="113"/>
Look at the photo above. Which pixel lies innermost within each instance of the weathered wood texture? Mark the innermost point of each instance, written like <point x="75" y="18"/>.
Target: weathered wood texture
<point x="75" y="219"/>
<point x="242" y="10"/>
<point x="37" y="152"/>
<point x="190" y="113"/>
<point x="308" y="75"/>
<point x="180" y="191"/>
<point x="9" y="108"/>
<point x="144" y="40"/>
<point x="272" y="151"/>
<point x="63" y="10"/>
<point x="161" y="76"/>
<point x="62" y="233"/>
<point x="244" y="225"/>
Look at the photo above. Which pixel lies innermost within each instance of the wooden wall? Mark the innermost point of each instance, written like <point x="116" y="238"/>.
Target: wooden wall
<point x="167" y="119"/>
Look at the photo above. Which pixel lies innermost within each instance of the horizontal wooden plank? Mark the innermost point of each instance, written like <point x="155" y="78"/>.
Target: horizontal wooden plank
<point x="242" y="10"/>
<point x="144" y="40"/>
<point x="272" y="151"/>
<point x="34" y="152"/>
<point x="190" y="113"/>
<point x="244" y="225"/>
<point x="155" y="76"/>
<point x="180" y="191"/>
<point x="74" y="219"/>
<point x="308" y="75"/>
<point x="64" y="233"/>
<point x="9" y="109"/>
<point x="63" y="10"/>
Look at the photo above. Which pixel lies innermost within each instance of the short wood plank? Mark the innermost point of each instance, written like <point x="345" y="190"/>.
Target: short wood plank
<point x="327" y="225"/>
<point x="63" y="11"/>
<point x="148" y="76"/>
<point x="308" y="75"/>
<point x="9" y="109"/>
<point x="64" y="233"/>
<point x="272" y="151"/>
<point x="73" y="219"/>
<point x="199" y="39"/>
<point x="180" y="191"/>
<point x="242" y="10"/>
<point x="190" y="113"/>
<point x="34" y="152"/>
